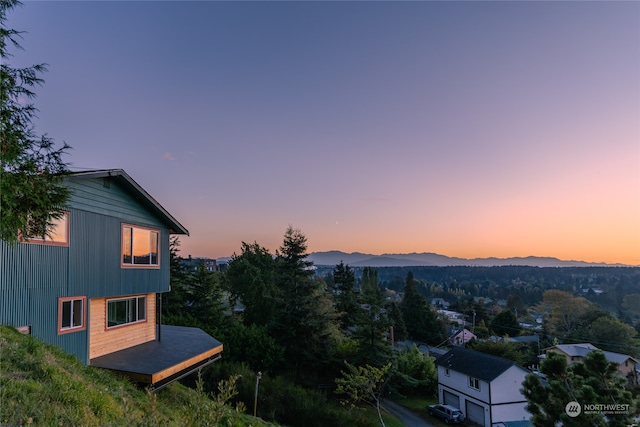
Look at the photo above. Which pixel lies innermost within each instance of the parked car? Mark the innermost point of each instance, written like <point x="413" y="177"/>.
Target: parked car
<point x="450" y="414"/>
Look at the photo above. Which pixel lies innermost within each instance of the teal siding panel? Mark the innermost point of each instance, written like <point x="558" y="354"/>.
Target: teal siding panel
<point x="95" y="259"/>
<point x="27" y="265"/>
<point x="27" y="269"/>
<point x="92" y="195"/>
<point x="95" y="253"/>
<point x="44" y="323"/>
<point x="14" y="304"/>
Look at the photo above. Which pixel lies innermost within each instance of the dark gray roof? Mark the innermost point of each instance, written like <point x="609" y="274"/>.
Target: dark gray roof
<point x="475" y="364"/>
<point x="121" y="177"/>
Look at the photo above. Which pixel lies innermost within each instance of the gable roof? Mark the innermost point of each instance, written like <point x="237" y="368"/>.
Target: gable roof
<point x="475" y="364"/>
<point x="582" y="349"/>
<point x="121" y="177"/>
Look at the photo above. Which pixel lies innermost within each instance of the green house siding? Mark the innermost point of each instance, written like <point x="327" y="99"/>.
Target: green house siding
<point x="34" y="276"/>
<point x="95" y="251"/>
<point x="108" y="197"/>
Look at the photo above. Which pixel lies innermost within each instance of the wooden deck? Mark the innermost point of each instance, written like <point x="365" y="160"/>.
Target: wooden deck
<point x="181" y="351"/>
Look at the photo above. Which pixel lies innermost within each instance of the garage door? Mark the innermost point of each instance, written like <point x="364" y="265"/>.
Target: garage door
<point x="475" y="413"/>
<point x="450" y="399"/>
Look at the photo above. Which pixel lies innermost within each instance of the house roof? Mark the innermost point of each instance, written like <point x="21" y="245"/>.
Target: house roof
<point x="525" y="338"/>
<point x="581" y="350"/>
<point x="475" y="364"/>
<point x="121" y="177"/>
<point x="461" y="331"/>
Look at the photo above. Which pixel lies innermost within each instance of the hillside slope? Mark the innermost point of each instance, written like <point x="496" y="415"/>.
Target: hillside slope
<point x="43" y="386"/>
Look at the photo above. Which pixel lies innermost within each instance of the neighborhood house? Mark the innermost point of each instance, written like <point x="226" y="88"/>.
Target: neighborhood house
<point x="627" y="365"/>
<point x="93" y="284"/>
<point x="485" y="388"/>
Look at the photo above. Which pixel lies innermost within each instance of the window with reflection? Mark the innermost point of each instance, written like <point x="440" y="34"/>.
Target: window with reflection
<point x="54" y="233"/>
<point x="140" y="246"/>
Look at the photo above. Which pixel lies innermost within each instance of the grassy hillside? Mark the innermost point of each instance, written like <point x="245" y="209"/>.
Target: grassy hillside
<point x="43" y="386"/>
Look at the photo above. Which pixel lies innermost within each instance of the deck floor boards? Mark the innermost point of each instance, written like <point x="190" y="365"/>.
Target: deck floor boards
<point x="177" y="345"/>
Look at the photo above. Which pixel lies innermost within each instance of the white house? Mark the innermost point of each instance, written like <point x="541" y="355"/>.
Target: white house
<point x="486" y="388"/>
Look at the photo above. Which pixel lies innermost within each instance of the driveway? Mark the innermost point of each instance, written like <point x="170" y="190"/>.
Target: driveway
<point x="403" y="414"/>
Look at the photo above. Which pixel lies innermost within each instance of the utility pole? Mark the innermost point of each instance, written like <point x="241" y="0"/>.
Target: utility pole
<point x="474" y="322"/>
<point x="255" y="399"/>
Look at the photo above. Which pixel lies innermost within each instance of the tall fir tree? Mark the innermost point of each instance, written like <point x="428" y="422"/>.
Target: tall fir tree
<point x="306" y="323"/>
<point x="372" y="324"/>
<point x="346" y="304"/>
<point x="420" y="319"/>
<point x="32" y="190"/>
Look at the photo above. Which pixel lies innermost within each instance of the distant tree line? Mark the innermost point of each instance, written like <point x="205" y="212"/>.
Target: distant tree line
<point x="304" y="333"/>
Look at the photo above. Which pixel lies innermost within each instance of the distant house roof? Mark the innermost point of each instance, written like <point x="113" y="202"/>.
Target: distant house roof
<point x="475" y="364"/>
<point x="525" y="338"/>
<point x="121" y="177"/>
<point x="581" y="350"/>
<point x="461" y="335"/>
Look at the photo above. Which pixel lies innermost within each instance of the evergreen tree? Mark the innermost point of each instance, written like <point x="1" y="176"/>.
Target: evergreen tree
<point x="251" y="279"/>
<point x="372" y="324"/>
<point x="421" y="320"/>
<point x="346" y="304"/>
<point x="505" y="323"/>
<point x="175" y="302"/>
<point x="205" y="292"/>
<point x="592" y="381"/>
<point x="397" y="322"/>
<point x="32" y="191"/>
<point x="306" y="324"/>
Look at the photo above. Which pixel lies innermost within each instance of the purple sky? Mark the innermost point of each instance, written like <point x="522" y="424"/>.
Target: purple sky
<point x="467" y="129"/>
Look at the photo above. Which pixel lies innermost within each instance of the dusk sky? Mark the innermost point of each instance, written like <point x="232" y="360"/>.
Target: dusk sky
<point x="468" y="129"/>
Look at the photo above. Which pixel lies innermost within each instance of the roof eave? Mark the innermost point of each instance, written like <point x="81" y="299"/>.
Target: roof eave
<point x="174" y="225"/>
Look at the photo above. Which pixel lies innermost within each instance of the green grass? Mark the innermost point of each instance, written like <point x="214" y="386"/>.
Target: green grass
<point x="43" y="386"/>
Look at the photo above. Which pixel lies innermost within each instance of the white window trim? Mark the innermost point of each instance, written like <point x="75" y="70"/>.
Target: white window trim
<point x="474" y="380"/>
<point x="83" y="316"/>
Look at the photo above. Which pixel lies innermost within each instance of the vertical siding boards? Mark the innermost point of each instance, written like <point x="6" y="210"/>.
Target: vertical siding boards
<point x="45" y="324"/>
<point x="98" y="212"/>
<point x="32" y="279"/>
<point x="27" y="271"/>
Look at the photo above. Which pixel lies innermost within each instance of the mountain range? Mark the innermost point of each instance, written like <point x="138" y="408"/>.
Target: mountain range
<point x="357" y="259"/>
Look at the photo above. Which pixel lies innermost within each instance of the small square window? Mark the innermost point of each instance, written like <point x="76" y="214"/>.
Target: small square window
<point x="71" y="314"/>
<point x="474" y="383"/>
<point x="446" y="371"/>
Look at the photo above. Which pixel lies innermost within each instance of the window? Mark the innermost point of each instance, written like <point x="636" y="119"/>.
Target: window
<point x="474" y="383"/>
<point x="139" y="246"/>
<point x="126" y="310"/>
<point x="446" y="371"/>
<point x="71" y="314"/>
<point x="56" y="234"/>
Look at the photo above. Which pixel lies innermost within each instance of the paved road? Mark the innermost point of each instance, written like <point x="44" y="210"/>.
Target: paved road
<point x="403" y="414"/>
